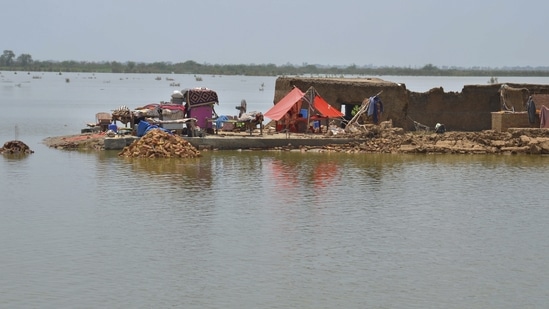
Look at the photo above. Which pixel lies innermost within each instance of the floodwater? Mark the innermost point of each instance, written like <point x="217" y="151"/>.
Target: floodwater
<point x="255" y="229"/>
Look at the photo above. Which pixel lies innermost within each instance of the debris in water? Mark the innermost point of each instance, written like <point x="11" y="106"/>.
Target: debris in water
<point x="15" y="147"/>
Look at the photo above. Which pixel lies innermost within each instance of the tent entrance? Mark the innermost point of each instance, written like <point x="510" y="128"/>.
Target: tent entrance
<point x="348" y="110"/>
<point x="301" y="112"/>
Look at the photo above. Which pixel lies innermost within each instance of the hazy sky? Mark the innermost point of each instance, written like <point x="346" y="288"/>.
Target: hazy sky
<point x="410" y="33"/>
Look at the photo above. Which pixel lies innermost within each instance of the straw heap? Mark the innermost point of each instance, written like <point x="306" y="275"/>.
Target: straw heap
<point x="160" y="144"/>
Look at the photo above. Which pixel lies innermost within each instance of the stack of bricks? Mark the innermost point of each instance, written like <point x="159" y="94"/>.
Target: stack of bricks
<point x="501" y="121"/>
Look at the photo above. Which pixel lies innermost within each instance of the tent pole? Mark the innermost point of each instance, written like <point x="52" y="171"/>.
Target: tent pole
<point x="309" y="109"/>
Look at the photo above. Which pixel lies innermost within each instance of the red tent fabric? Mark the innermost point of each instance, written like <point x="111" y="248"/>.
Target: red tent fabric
<point x="283" y="106"/>
<point x="325" y="109"/>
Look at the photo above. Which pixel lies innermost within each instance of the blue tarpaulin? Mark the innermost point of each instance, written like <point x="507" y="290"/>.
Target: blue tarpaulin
<point x="220" y="120"/>
<point x="143" y="127"/>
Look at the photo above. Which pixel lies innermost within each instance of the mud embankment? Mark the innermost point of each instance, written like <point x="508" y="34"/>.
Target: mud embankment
<point x="377" y="139"/>
<point x="395" y="140"/>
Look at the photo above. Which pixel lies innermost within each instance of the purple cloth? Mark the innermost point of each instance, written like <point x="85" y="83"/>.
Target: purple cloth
<point x="544" y="117"/>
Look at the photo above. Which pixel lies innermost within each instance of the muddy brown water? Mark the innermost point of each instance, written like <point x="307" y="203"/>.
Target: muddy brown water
<point x="241" y="229"/>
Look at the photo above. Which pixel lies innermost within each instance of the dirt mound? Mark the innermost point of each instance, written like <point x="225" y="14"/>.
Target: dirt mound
<point x="15" y="147"/>
<point x="77" y="142"/>
<point x="395" y="140"/>
<point x="160" y="144"/>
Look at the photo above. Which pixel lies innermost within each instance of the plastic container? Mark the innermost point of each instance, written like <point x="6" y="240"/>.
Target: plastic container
<point x="316" y="124"/>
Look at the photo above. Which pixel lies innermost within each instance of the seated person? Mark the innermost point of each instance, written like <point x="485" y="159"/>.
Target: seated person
<point x="301" y="124"/>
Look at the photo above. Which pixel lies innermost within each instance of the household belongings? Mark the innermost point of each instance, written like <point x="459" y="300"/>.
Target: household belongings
<point x="289" y="108"/>
<point x="200" y="105"/>
<point x="143" y="127"/>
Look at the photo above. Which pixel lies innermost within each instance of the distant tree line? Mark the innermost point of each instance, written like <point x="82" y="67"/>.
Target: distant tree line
<point x="24" y="62"/>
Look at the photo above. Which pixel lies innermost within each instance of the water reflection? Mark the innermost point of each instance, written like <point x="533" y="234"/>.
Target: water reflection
<point x="186" y="172"/>
<point x="14" y="170"/>
<point x="291" y="176"/>
<point x="15" y="157"/>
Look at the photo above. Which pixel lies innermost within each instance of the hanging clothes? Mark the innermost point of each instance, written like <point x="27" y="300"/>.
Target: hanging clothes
<point x="544" y="117"/>
<point x="375" y="108"/>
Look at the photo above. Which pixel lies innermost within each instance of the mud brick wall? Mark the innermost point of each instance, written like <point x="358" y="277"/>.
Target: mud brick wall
<point x="468" y="110"/>
<point x="502" y="121"/>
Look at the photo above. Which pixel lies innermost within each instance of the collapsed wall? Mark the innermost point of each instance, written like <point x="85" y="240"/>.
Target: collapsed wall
<point x="468" y="110"/>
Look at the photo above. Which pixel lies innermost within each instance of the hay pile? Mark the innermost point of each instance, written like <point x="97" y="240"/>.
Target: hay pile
<point x="160" y="144"/>
<point x="15" y="147"/>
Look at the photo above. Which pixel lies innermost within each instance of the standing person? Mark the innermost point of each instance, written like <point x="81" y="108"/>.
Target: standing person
<point x="531" y="109"/>
<point x="159" y="110"/>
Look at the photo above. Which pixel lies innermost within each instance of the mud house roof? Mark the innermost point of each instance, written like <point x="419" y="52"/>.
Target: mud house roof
<point x="348" y="80"/>
<point x="330" y="87"/>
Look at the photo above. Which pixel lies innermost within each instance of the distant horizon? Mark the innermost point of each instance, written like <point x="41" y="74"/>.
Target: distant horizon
<point x="419" y="67"/>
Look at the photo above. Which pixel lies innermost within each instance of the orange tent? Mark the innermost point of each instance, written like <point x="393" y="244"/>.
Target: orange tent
<point x="296" y="96"/>
<point x="325" y="109"/>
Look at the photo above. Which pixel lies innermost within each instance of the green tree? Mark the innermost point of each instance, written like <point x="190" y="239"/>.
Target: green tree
<point x="7" y="58"/>
<point x="429" y="68"/>
<point x="131" y="66"/>
<point x="116" y="67"/>
<point x="24" y="60"/>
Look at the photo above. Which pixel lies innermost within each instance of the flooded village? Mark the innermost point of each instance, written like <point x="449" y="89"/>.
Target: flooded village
<point x="332" y="114"/>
